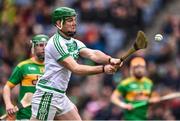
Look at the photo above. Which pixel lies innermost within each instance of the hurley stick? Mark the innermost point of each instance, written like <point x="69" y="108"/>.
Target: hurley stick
<point x="25" y="102"/>
<point x="141" y="42"/>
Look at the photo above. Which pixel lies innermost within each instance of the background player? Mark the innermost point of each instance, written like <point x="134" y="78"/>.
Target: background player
<point x="26" y="73"/>
<point x="134" y="89"/>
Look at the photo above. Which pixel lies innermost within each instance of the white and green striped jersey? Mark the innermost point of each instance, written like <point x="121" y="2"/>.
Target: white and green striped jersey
<point x="56" y="76"/>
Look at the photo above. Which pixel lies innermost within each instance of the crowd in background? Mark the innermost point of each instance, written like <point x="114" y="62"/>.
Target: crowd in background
<point x="107" y="25"/>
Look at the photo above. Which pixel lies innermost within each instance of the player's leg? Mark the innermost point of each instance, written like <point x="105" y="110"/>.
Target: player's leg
<point x="71" y="115"/>
<point x="66" y="110"/>
<point x="41" y="107"/>
<point x="43" y="114"/>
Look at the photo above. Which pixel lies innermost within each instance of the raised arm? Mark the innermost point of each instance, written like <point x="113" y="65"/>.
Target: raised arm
<point x="80" y="69"/>
<point x="98" y="56"/>
<point x="95" y="55"/>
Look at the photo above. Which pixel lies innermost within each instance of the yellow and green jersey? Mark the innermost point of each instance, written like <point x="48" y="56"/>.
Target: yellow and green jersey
<point x="26" y="74"/>
<point x="133" y="91"/>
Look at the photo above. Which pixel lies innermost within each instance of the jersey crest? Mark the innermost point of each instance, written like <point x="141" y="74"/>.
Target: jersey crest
<point x="73" y="49"/>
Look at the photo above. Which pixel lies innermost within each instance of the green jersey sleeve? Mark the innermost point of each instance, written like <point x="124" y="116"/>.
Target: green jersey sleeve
<point x="121" y="88"/>
<point x="16" y="76"/>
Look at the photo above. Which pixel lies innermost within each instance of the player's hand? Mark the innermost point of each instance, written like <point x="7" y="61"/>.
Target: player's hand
<point x="10" y="109"/>
<point x="128" y="106"/>
<point x="154" y="99"/>
<point x="116" y="61"/>
<point x="110" y="69"/>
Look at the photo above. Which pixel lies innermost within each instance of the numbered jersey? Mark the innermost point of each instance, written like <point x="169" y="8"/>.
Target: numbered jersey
<point x="26" y="74"/>
<point x="56" y="76"/>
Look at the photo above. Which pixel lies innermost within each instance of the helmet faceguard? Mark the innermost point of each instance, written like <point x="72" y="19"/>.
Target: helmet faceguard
<point x="37" y="40"/>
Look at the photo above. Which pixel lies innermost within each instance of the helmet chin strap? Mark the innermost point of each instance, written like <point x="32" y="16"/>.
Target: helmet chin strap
<point x="61" y="25"/>
<point x="32" y="48"/>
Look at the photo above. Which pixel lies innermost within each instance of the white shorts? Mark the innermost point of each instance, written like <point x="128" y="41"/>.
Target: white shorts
<point x="45" y="105"/>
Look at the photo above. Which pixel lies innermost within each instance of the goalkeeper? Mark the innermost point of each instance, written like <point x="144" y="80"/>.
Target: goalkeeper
<point x="134" y="89"/>
<point x="26" y="73"/>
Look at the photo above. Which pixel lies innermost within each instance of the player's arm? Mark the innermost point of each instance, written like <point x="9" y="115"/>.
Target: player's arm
<point x="7" y="94"/>
<point x="7" y="98"/>
<point x="80" y="69"/>
<point x="154" y="98"/>
<point x="115" y="99"/>
<point x="95" y="55"/>
<point x="98" y="56"/>
<point x="61" y="54"/>
<point x="14" y="79"/>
